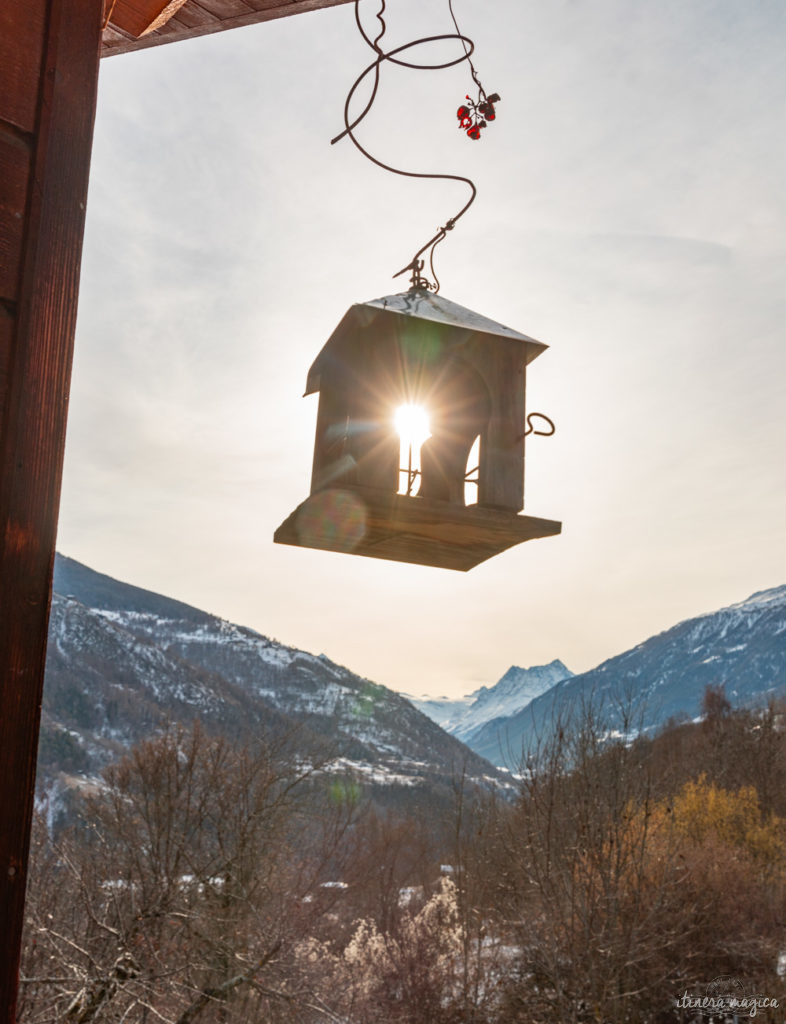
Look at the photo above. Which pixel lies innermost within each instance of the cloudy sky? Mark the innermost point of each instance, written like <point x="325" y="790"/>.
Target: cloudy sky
<point x="631" y="213"/>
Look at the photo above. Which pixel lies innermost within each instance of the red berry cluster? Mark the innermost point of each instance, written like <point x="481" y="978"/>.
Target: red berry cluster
<point x="477" y="115"/>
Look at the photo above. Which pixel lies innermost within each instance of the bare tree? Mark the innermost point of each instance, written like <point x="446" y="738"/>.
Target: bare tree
<point x="187" y="888"/>
<point x="593" y="914"/>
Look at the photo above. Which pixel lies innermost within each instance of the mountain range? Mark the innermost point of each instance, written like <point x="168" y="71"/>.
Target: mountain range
<point x="741" y="647"/>
<point x="122" y="661"/>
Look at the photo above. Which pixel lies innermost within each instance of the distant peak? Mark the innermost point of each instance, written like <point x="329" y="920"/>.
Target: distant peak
<point x="553" y="668"/>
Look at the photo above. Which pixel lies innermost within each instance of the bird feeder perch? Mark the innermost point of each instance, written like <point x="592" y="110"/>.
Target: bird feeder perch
<point x="411" y="387"/>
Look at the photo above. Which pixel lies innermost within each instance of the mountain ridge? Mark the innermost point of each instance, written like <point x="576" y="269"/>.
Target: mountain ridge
<point x="741" y="646"/>
<point x="145" y="656"/>
<point x="121" y="661"/>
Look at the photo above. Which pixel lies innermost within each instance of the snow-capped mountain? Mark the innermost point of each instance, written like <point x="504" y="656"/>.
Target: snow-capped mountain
<point x="464" y="716"/>
<point x="445" y="711"/>
<point x="121" y="661"/>
<point x="742" y="647"/>
<point x="514" y="691"/>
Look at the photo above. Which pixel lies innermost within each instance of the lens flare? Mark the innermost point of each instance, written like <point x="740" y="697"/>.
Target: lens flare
<point x="332" y="519"/>
<point x="412" y="424"/>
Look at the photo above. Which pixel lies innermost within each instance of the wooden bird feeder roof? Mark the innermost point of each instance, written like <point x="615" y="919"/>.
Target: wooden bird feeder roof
<point x="420" y="304"/>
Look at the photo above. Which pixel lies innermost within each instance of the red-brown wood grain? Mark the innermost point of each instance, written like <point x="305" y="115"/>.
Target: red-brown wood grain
<point x="21" y="49"/>
<point x="15" y="163"/>
<point x="7" y="325"/>
<point x="32" y="435"/>
<point x="195" y="16"/>
<point x="227" y="8"/>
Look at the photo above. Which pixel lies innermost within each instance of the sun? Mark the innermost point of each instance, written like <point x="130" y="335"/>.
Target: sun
<point x="412" y="424"/>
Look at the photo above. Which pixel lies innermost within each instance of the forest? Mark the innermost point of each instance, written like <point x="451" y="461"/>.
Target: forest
<point x="627" y="879"/>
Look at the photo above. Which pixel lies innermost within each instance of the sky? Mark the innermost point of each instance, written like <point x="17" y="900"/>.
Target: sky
<point x="631" y="214"/>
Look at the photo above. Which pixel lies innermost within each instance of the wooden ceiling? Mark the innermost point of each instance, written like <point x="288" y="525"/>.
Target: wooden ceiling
<point x="137" y="24"/>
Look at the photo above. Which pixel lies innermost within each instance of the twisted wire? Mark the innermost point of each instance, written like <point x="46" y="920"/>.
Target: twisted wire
<point x="415" y="264"/>
<point x="475" y="79"/>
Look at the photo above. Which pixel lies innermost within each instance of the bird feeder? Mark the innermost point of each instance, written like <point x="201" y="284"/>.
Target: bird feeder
<point x="419" y="451"/>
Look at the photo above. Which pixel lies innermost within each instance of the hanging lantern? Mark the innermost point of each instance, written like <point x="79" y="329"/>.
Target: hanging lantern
<point x="419" y="451"/>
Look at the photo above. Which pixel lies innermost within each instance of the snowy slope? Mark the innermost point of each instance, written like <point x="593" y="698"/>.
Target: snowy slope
<point x="742" y="647"/>
<point x="122" y="661"/>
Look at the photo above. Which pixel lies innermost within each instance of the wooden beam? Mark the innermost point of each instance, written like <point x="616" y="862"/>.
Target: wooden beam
<point x="46" y="130"/>
<point x="204" y="17"/>
<point x="138" y="17"/>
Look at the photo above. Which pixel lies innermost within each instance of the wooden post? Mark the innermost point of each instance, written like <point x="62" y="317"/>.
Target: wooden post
<point x="49" y="53"/>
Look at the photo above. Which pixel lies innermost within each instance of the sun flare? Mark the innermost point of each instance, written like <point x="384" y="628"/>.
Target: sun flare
<point x="412" y="424"/>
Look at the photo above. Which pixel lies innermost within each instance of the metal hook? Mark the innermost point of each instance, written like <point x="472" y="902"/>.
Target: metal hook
<point x="531" y="429"/>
